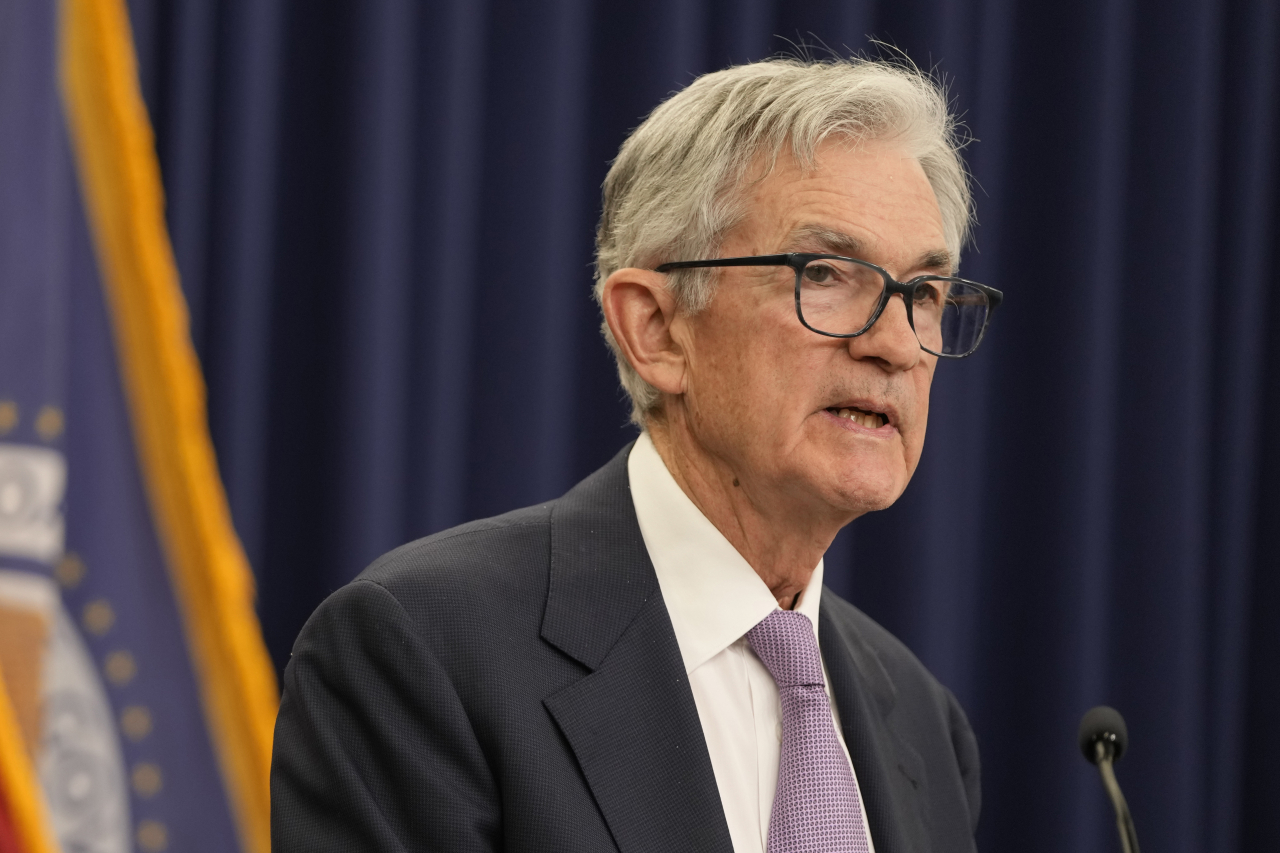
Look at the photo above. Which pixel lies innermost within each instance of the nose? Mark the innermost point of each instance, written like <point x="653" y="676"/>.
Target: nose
<point x="891" y="340"/>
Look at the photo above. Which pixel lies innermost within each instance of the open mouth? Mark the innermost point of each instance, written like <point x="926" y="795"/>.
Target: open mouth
<point x="870" y="420"/>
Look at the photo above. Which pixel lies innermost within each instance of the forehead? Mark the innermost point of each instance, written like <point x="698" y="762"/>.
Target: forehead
<point x="869" y="198"/>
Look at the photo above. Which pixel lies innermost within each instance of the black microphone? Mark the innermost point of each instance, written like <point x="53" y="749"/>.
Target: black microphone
<point x="1103" y="739"/>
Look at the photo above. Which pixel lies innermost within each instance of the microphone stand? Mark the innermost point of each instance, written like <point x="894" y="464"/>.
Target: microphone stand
<point x="1104" y="752"/>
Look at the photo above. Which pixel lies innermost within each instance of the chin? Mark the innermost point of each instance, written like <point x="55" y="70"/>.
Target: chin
<point x="865" y="482"/>
<point x="861" y="494"/>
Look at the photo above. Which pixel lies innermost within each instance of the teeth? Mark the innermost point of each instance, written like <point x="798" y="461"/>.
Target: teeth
<point x="866" y="419"/>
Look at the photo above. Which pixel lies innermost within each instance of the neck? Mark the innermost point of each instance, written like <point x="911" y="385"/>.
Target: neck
<point x="781" y="540"/>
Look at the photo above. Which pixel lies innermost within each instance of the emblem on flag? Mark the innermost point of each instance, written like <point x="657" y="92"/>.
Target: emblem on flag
<point x="136" y="697"/>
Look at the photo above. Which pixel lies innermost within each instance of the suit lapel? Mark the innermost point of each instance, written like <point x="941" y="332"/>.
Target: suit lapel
<point x="632" y="722"/>
<point x="889" y="771"/>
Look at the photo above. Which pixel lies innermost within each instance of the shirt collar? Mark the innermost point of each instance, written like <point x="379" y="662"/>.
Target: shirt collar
<point x="712" y="594"/>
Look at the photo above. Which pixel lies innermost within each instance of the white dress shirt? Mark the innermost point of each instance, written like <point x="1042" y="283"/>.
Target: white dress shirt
<point x="714" y="597"/>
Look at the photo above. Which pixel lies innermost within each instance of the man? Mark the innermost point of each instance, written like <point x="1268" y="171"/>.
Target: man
<point x="650" y="663"/>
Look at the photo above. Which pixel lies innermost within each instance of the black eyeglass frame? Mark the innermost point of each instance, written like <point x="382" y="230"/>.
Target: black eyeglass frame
<point x="799" y="260"/>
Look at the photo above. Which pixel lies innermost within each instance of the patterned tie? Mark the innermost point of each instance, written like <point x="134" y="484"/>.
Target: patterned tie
<point x="816" y="808"/>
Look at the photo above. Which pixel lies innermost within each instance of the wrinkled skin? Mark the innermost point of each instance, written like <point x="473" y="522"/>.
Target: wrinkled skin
<point x="745" y="424"/>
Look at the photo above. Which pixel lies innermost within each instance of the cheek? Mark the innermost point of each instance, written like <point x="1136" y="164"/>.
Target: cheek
<point x="742" y="380"/>
<point x="733" y="388"/>
<point x="914" y="440"/>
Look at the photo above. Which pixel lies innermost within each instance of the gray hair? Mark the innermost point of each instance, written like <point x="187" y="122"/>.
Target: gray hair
<point x="677" y="186"/>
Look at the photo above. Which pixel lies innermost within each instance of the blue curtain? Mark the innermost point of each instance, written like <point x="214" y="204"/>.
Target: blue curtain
<point x="383" y="215"/>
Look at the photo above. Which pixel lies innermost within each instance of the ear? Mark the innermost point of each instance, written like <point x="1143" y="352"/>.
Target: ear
<point x="640" y="312"/>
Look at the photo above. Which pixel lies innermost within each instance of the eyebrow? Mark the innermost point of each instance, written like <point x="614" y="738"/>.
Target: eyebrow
<point x="830" y="241"/>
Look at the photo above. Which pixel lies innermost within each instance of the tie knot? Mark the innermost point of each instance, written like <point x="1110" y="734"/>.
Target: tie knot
<point x="785" y="643"/>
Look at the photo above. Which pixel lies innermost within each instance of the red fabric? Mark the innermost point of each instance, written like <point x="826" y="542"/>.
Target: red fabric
<point x="8" y="834"/>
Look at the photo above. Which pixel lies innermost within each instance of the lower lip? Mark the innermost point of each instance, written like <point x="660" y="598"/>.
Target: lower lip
<point x="853" y="426"/>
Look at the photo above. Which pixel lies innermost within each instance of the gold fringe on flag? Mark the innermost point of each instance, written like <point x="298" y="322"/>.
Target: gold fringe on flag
<point x="120" y="179"/>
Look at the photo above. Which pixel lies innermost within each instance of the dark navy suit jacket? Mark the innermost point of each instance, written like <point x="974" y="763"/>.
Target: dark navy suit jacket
<point x="515" y="684"/>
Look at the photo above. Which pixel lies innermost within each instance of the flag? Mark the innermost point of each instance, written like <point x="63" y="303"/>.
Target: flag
<point x="136" y="698"/>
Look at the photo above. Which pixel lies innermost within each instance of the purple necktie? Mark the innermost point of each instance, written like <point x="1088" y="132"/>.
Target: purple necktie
<point x="816" y="807"/>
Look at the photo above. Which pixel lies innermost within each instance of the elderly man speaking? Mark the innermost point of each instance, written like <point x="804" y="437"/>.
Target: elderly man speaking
<point x="651" y="662"/>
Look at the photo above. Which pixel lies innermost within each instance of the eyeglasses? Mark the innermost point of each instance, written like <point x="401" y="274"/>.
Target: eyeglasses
<point x="843" y="297"/>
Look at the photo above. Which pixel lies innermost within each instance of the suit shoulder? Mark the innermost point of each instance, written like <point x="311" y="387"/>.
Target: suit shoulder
<point x="460" y="574"/>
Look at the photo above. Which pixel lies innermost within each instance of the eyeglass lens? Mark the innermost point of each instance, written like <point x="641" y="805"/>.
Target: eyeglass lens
<point x="839" y="297"/>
